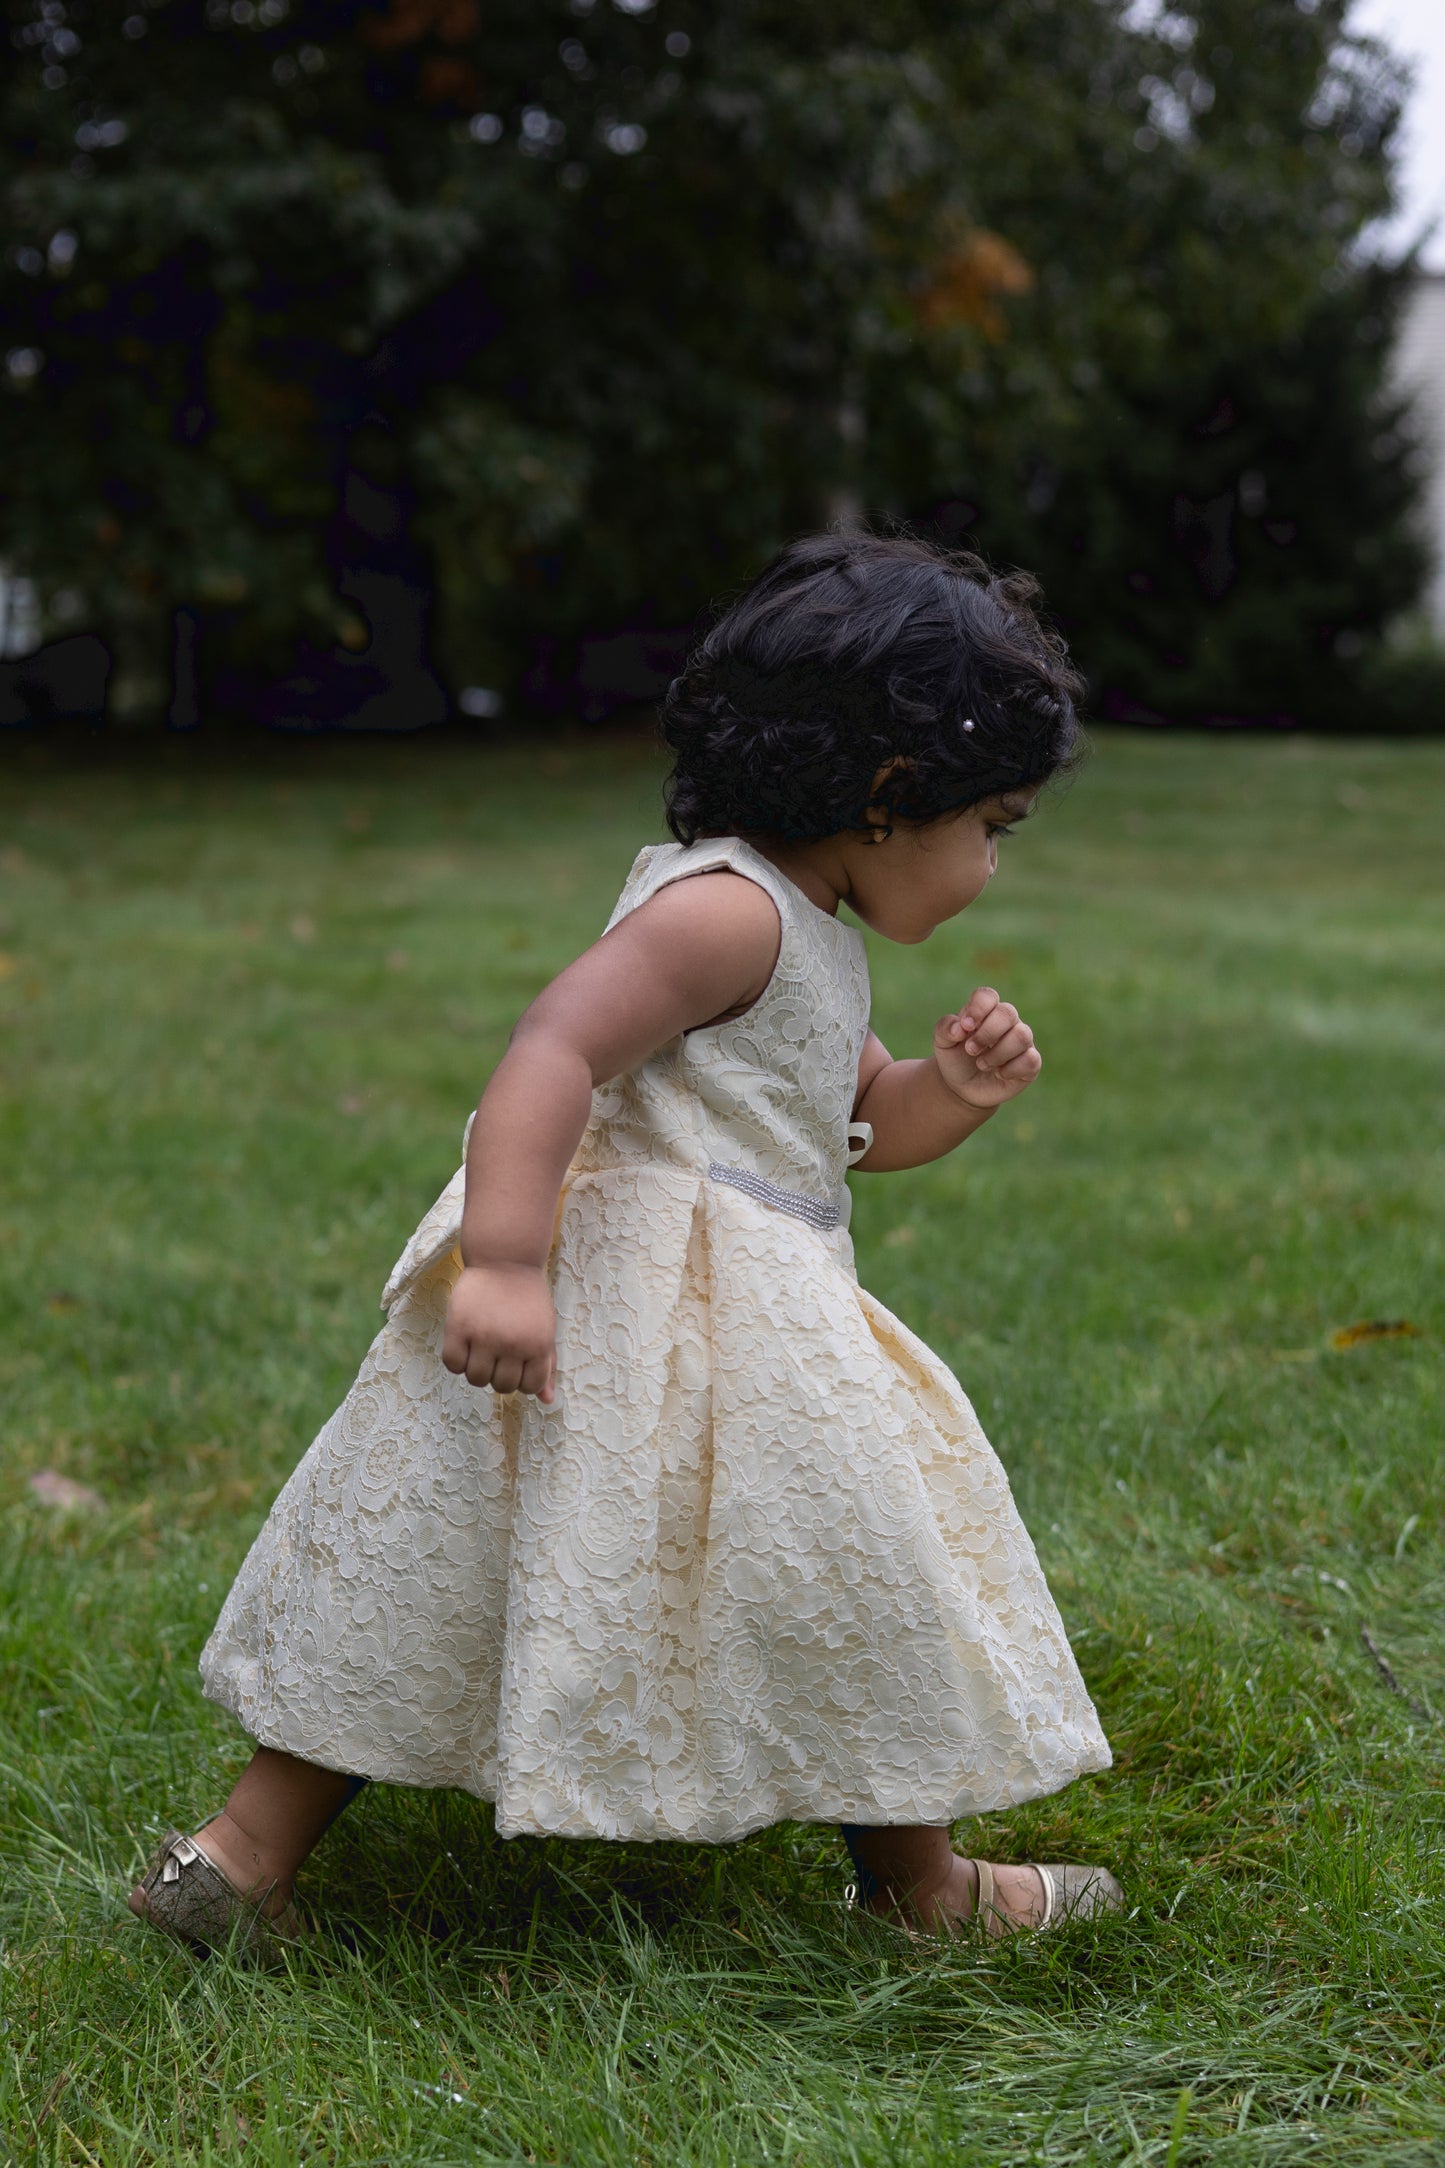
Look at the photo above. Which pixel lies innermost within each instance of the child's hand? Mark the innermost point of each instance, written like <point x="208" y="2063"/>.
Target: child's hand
<point x="986" y="1053"/>
<point x="501" y="1330"/>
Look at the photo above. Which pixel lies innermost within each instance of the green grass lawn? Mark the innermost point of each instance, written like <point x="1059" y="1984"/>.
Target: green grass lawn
<point x="247" y="999"/>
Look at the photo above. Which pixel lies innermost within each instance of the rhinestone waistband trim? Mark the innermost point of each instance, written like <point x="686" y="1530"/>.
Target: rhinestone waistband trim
<point x="814" y="1210"/>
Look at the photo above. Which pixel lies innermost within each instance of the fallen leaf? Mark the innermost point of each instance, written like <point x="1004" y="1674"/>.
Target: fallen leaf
<point x="397" y="959"/>
<point x="12" y="859"/>
<point x="352" y="1103"/>
<point x="60" y="1303"/>
<point x="1379" y="1328"/>
<point x="8" y="965"/>
<point x="62" y="1491"/>
<point x="303" y="928"/>
<point x="358" y="820"/>
<point x="898" y="1238"/>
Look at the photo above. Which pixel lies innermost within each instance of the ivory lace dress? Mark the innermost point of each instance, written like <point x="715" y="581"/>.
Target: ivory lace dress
<point x="759" y="1560"/>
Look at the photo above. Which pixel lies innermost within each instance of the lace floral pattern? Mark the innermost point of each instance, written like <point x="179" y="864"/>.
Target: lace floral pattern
<point x="758" y="1561"/>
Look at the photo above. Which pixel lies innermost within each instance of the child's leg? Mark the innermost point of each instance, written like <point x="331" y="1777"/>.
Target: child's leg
<point x="278" y="1811"/>
<point x="915" y="1871"/>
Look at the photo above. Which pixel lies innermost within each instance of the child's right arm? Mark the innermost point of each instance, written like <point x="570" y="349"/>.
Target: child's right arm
<point x="700" y="949"/>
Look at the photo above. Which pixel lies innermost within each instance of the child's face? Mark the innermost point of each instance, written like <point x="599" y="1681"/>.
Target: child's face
<point x="921" y="875"/>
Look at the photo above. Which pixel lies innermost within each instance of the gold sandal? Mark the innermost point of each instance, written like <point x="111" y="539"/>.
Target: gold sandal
<point x="1070" y="1893"/>
<point x="185" y="1894"/>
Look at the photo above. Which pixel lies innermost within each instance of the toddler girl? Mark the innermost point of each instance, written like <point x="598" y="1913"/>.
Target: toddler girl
<point x="643" y="1519"/>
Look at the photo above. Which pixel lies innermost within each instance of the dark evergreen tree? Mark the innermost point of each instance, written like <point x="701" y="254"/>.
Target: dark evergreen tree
<point x="575" y="310"/>
<point x="1214" y="476"/>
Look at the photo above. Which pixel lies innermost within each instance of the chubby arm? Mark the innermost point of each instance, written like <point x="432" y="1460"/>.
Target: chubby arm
<point x="983" y="1055"/>
<point x="700" y="949"/>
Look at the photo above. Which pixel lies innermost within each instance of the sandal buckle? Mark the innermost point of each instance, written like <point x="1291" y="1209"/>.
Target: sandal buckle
<point x="181" y="1854"/>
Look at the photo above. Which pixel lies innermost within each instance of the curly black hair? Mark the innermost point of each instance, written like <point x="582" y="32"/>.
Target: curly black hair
<point x="854" y="653"/>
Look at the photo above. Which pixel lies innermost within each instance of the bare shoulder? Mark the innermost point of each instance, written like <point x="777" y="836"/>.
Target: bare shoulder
<point x="717" y="907"/>
<point x="714" y="936"/>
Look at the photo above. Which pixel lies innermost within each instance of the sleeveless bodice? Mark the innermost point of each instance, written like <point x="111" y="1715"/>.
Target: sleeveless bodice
<point x="770" y="1091"/>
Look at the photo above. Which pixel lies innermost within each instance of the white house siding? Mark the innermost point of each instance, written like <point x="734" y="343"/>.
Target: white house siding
<point x="1420" y="365"/>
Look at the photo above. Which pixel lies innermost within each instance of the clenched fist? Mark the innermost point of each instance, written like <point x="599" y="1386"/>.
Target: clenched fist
<point x="501" y="1330"/>
<point x="986" y="1052"/>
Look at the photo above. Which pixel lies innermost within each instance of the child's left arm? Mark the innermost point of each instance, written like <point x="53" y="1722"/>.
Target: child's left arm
<point x="983" y="1055"/>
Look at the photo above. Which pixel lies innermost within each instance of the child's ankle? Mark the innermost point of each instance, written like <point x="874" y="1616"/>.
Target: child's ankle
<point x="947" y="1894"/>
<point x="914" y="1872"/>
<point x="245" y="1863"/>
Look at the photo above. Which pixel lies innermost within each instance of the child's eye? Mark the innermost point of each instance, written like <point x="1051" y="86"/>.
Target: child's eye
<point x="1000" y="828"/>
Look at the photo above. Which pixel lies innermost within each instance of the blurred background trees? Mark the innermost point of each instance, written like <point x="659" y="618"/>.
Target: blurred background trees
<point x="361" y="353"/>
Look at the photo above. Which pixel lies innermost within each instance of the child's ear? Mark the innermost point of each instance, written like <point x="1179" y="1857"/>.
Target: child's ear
<point x="880" y="822"/>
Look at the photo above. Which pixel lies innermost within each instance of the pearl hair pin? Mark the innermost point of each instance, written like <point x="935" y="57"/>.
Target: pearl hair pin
<point x="968" y="722"/>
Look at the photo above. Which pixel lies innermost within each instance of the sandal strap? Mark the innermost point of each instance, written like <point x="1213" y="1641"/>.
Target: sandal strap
<point x="985" y="1909"/>
<point x="994" y="1920"/>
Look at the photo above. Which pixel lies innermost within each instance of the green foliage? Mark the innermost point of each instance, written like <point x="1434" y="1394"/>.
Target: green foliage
<point x="1403" y="687"/>
<point x="1189" y="433"/>
<point x="1280" y="480"/>
<point x="250" y="997"/>
<point x="622" y="296"/>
